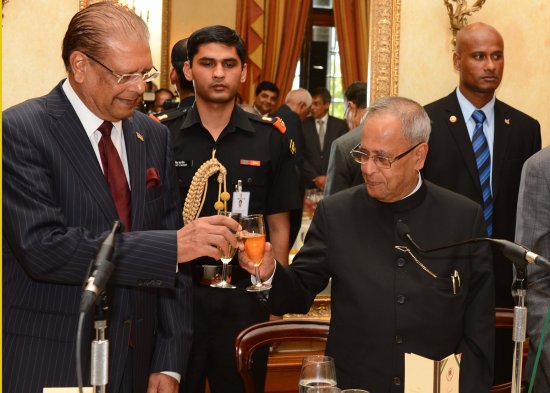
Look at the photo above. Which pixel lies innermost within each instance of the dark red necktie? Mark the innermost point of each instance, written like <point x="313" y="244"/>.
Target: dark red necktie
<point x="114" y="174"/>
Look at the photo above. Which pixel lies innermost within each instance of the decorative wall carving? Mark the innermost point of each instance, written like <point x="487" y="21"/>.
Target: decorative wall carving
<point x="459" y="12"/>
<point x="384" y="52"/>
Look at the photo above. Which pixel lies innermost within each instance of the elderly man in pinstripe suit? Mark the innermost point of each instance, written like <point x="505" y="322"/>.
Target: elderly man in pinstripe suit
<point x="62" y="155"/>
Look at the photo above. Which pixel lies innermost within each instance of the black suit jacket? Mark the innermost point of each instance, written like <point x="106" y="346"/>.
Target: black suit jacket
<point x="450" y="163"/>
<point x="315" y="159"/>
<point x="57" y="209"/>
<point x="383" y="304"/>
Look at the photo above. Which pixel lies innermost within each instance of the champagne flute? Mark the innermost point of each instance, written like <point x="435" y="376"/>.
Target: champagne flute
<point x="253" y="236"/>
<point x="227" y="256"/>
<point x="317" y="371"/>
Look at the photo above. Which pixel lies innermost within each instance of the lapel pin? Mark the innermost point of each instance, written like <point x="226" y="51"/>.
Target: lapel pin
<point x="507" y="121"/>
<point x="140" y="137"/>
<point x="452" y="119"/>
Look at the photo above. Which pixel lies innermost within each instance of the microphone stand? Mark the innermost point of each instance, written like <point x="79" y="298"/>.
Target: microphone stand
<point x="99" y="367"/>
<point x="520" y="326"/>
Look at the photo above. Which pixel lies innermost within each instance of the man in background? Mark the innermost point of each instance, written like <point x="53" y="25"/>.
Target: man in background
<point x="161" y="95"/>
<point x="533" y="232"/>
<point x="295" y="103"/>
<point x="319" y="131"/>
<point x="342" y="171"/>
<point x="184" y="88"/>
<point x="386" y="298"/>
<point x="74" y="161"/>
<point x="477" y="148"/>
<point x="299" y="101"/>
<point x="178" y="57"/>
<point x="266" y="97"/>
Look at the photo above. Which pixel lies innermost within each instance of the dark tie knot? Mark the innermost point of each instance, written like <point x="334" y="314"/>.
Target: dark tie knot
<point x="105" y="128"/>
<point x="479" y="116"/>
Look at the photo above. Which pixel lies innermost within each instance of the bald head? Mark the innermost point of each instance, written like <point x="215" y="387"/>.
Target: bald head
<point x="476" y="31"/>
<point x="479" y="59"/>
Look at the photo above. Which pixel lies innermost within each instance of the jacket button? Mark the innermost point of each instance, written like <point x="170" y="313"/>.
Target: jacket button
<point x="249" y="180"/>
<point x="399" y="339"/>
<point x="400" y="262"/>
<point x="401" y="299"/>
<point x="397" y="381"/>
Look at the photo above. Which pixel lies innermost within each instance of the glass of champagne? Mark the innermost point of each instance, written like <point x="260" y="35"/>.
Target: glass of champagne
<point x="317" y="371"/>
<point x="227" y="257"/>
<point x="253" y="237"/>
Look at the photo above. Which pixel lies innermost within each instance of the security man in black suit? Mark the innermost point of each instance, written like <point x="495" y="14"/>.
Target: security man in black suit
<point x="511" y="137"/>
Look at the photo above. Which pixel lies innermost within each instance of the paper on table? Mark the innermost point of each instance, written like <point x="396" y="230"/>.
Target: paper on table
<point x="425" y="375"/>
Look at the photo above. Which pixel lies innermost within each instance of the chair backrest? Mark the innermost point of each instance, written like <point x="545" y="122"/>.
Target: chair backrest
<point x="267" y="333"/>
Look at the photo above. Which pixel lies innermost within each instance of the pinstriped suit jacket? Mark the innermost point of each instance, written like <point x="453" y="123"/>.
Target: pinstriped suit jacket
<point x="57" y="209"/>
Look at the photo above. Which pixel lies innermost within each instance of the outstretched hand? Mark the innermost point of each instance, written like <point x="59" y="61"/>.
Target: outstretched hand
<point x="205" y="237"/>
<point x="266" y="268"/>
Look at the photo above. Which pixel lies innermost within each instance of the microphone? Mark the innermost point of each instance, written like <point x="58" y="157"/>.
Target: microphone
<point x="519" y="255"/>
<point x="102" y="268"/>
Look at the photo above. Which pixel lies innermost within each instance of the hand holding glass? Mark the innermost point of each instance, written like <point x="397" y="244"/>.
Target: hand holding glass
<point x="253" y="236"/>
<point x="227" y="256"/>
<point x="317" y="371"/>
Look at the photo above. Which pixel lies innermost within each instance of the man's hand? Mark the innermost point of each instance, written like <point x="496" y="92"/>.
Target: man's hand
<point x="162" y="383"/>
<point x="320" y="182"/>
<point x="266" y="268"/>
<point x="205" y="236"/>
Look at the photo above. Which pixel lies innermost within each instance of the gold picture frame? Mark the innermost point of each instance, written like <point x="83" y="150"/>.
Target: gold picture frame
<point x="384" y="48"/>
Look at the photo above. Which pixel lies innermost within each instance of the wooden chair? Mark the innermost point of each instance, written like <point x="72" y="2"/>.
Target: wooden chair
<point x="271" y="332"/>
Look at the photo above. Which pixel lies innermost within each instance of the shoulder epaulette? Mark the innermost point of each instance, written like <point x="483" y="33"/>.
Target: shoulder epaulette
<point x="276" y="122"/>
<point x="168" y="115"/>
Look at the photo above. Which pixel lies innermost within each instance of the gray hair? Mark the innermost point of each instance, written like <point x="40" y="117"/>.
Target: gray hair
<point x="92" y="28"/>
<point x="415" y="123"/>
<point x="297" y="96"/>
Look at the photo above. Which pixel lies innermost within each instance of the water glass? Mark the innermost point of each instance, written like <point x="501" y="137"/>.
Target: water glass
<point x="317" y="371"/>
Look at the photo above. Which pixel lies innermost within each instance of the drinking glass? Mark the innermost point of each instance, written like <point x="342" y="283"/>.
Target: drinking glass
<point x="227" y="257"/>
<point x="317" y="371"/>
<point x="253" y="237"/>
<point x="324" y="389"/>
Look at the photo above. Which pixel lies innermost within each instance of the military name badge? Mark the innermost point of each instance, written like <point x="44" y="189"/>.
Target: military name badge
<point x="241" y="200"/>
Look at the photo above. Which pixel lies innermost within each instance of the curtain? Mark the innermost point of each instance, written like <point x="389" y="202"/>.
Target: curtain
<point x="350" y="20"/>
<point x="273" y="32"/>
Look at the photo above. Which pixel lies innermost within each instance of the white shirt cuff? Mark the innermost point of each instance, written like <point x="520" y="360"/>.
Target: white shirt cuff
<point x="270" y="279"/>
<point x="176" y="376"/>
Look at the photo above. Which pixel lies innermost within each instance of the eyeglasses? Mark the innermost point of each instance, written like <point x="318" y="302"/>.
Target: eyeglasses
<point x="129" y="78"/>
<point x="361" y="157"/>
